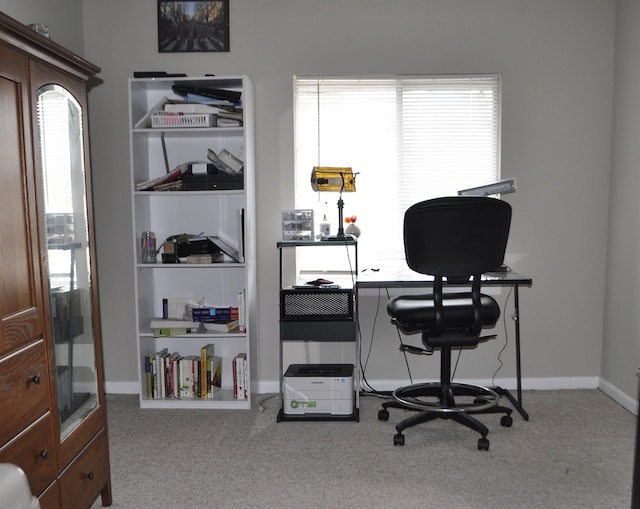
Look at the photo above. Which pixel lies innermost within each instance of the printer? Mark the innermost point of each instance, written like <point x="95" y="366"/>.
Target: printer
<point x="318" y="389"/>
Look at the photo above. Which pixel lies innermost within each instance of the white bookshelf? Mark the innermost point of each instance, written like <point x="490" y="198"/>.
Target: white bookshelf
<point x="214" y="212"/>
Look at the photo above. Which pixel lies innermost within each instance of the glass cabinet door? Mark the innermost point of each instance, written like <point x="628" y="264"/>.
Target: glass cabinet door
<point x="60" y="144"/>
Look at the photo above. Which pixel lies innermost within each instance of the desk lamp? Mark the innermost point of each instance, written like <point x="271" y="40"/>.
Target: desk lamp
<point x="333" y="179"/>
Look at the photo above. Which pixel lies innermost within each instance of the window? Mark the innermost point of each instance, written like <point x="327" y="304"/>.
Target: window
<point x="408" y="138"/>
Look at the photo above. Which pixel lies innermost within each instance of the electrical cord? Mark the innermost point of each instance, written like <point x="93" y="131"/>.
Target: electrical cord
<point x="261" y="402"/>
<point x="506" y="338"/>
<point x="364" y="385"/>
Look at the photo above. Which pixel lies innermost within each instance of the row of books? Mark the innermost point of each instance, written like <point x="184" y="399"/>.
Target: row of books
<point x="171" y="375"/>
<point x="182" y="316"/>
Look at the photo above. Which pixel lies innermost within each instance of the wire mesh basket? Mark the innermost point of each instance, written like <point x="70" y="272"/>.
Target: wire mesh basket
<point x="162" y="119"/>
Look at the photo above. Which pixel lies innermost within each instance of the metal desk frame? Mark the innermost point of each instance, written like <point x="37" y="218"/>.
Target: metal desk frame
<point x="409" y="279"/>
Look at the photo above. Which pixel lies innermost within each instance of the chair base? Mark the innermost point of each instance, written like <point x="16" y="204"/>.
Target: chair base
<point x="446" y="401"/>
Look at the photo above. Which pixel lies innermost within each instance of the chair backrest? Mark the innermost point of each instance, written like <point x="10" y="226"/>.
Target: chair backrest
<point x="456" y="236"/>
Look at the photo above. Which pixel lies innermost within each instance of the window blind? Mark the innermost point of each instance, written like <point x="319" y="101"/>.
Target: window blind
<point x="408" y="138"/>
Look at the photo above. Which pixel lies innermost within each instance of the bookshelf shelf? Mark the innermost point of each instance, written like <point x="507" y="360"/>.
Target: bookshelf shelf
<point x="225" y="213"/>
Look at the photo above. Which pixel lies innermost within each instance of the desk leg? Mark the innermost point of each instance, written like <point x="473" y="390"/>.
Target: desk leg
<point x="517" y="403"/>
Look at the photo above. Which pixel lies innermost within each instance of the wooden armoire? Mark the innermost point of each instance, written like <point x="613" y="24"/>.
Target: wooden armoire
<point x="52" y="403"/>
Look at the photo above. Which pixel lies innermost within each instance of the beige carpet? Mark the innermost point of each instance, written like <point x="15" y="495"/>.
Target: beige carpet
<point x="576" y="451"/>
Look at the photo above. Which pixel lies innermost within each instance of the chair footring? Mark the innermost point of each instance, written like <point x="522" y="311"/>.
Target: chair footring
<point x="441" y="398"/>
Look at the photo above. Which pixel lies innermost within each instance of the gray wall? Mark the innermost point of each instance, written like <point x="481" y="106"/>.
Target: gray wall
<point x="557" y="62"/>
<point x="63" y="17"/>
<point x="621" y="345"/>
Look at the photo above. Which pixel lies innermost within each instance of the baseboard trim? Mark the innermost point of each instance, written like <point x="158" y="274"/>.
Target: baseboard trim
<point x="528" y="384"/>
<point x="122" y="387"/>
<point x="620" y="397"/>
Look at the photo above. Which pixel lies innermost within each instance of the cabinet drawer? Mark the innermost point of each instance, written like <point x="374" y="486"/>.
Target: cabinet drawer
<point x="33" y="451"/>
<point x="24" y="389"/>
<point x="86" y="477"/>
<point x="50" y="499"/>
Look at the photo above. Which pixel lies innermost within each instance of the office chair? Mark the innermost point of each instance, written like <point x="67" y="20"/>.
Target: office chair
<point x="457" y="239"/>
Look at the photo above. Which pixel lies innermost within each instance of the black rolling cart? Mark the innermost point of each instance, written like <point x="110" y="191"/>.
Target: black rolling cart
<point x="319" y="313"/>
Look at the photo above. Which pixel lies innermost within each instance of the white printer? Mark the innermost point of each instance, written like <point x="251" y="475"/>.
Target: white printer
<point x="318" y="389"/>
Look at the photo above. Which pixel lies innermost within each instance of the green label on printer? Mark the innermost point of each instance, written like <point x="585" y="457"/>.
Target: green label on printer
<point x="303" y="404"/>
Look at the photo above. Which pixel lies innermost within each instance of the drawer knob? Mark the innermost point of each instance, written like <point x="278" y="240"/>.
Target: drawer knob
<point x="44" y="454"/>
<point x="90" y="475"/>
<point x="36" y="379"/>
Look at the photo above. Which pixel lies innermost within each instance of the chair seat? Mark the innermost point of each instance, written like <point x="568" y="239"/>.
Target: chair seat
<point x="415" y="313"/>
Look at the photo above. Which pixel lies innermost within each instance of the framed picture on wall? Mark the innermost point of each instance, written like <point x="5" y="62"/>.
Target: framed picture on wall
<point x="186" y="26"/>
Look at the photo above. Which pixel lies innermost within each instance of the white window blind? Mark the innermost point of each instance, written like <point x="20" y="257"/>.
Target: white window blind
<point x="409" y="139"/>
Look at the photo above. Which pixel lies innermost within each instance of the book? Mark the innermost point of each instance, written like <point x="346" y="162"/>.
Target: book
<point x="176" y="106"/>
<point x="241" y="377"/>
<point x="148" y="377"/>
<point x="205" y="352"/>
<point x="213" y="314"/>
<point x="173" y="362"/>
<point x="241" y="235"/>
<point x="231" y="115"/>
<point x="160" y="373"/>
<point x="161" y="323"/>
<point x="196" y="376"/>
<point x="215" y="378"/>
<point x="227" y="122"/>
<point x="219" y="103"/>
<point x="167" y="333"/>
<point x="234" y="373"/>
<point x="185" y="88"/>
<point x="221" y="327"/>
<point x="242" y="325"/>
<point x="175" y="308"/>
<point x="187" y="365"/>
<point x="149" y="185"/>
<point x="176" y="185"/>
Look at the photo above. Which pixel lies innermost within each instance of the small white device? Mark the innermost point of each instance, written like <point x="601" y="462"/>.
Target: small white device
<point x="318" y="389"/>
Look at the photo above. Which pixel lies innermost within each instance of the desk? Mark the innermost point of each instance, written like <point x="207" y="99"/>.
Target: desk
<point x="410" y="279"/>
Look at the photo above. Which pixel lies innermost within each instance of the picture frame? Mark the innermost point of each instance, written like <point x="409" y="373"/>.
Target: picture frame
<point x="188" y="26"/>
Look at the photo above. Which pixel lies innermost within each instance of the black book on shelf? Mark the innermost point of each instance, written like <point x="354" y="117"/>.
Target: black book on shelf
<point x="215" y="93"/>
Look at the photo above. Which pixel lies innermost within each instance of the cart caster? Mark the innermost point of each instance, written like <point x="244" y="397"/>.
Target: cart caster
<point x="383" y="415"/>
<point x="398" y="439"/>
<point x="506" y="421"/>
<point x="483" y="444"/>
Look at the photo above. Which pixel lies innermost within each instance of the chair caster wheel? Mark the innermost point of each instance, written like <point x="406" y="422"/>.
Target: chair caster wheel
<point x="398" y="439"/>
<point x="383" y="415"/>
<point x="506" y="421"/>
<point x="483" y="444"/>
